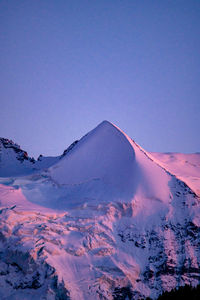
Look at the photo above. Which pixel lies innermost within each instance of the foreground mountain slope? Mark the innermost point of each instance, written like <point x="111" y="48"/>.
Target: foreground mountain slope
<point x="103" y="221"/>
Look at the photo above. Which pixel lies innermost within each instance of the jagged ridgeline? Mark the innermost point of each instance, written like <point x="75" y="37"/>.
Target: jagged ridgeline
<point x="183" y="292"/>
<point x="104" y="220"/>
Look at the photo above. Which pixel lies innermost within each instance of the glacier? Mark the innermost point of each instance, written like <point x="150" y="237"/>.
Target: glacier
<point x="104" y="220"/>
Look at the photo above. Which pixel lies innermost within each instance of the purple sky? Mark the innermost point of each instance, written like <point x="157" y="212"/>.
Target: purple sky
<point x="67" y="65"/>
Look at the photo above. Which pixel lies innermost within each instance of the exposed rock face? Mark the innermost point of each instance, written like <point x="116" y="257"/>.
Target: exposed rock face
<point x="104" y="222"/>
<point x="21" y="155"/>
<point x="66" y="151"/>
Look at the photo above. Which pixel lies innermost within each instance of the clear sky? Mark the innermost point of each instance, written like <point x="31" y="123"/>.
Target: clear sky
<point x="66" y="65"/>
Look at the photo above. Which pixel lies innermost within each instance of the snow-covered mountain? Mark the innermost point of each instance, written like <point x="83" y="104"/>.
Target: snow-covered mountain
<point x="105" y="220"/>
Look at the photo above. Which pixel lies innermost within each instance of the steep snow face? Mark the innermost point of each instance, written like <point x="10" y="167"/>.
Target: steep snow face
<point x="106" y="159"/>
<point x="102" y="221"/>
<point x="104" y="153"/>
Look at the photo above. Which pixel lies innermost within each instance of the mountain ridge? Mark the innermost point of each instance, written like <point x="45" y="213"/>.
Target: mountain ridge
<point x="154" y="156"/>
<point x="119" y="226"/>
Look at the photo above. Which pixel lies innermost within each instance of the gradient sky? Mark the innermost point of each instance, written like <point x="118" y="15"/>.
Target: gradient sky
<point x="66" y="65"/>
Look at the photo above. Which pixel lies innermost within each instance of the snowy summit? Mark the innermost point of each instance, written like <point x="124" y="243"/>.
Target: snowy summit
<point x="104" y="220"/>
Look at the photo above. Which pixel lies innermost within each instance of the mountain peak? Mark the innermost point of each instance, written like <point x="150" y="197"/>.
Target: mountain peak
<point x="108" y="222"/>
<point x="104" y="153"/>
<point x="13" y="160"/>
<point x="105" y="123"/>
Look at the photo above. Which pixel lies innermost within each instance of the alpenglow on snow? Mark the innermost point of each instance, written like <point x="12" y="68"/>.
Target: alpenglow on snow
<point x="104" y="220"/>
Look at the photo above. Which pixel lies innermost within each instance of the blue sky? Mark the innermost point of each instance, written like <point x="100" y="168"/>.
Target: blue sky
<point x="67" y="65"/>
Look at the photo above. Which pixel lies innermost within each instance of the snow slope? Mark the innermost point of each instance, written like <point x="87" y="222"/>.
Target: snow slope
<point x="15" y="162"/>
<point x="185" y="166"/>
<point x="105" y="220"/>
<point x="112" y="166"/>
